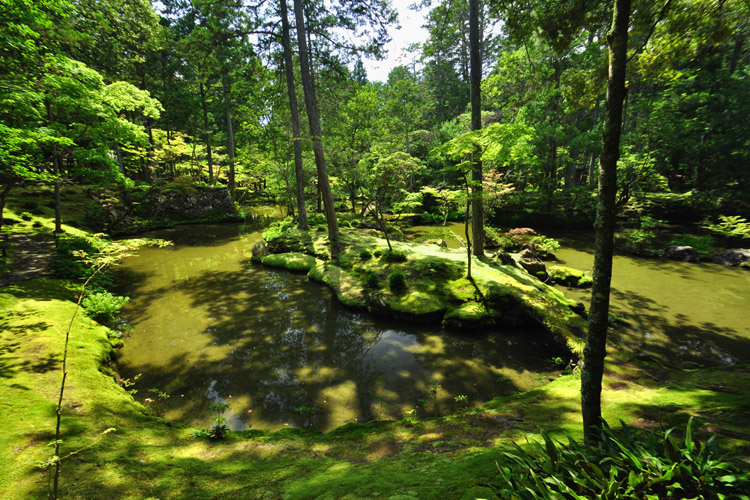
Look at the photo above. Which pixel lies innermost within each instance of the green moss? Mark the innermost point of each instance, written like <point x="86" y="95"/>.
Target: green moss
<point x="293" y="261"/>
<point x="568" y="276"/>
<point x="467" y="315"/>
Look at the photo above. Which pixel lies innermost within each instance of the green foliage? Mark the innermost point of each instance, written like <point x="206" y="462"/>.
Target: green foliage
<point x="365" y="254"/>
<point x="633" y="465"/>
<point x="543" y="246"/>
<point x="378" y="252"/>
<point x="69" y="265"/>
<point x="702" y="244"/>
<point x="275" y="229"/>
<point x="730" y="226"/>
<point x="103" y="306"/>
<point x="397" y="282"/>
<point x="394" y="256"/>
<point x="639" y="242"/>
<point x="648" y="223"/>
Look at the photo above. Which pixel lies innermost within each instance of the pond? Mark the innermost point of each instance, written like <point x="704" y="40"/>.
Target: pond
<point x="684" y="314"/>
<point x="211" y="326"/>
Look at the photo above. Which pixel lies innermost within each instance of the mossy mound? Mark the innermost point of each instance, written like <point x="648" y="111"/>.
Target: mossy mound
<point x="435" y="286"/>
<point x="567" y="276"/>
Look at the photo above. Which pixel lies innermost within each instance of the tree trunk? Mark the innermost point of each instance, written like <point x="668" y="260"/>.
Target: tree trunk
<point x="3" y="199"/>
<point x="299" y="172"/>
<point x="207" y="133"/>
<point x="311" y="103"/>
<point x="57" y="172"/>
<point x="596" y="340"/>
<point x="477" y="205"/>
<point x="230" y="133"/>
<point x="120" y="163"/>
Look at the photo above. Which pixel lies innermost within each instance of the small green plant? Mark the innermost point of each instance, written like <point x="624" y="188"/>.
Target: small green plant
<point x="26" y="216"/>
<point x="411" y="417"/>
<point x="543" y="246"/>
<point x="702" y="244"/>
<point x="378" y="252"/>
<point x="381" y="399"/>
<point x="648" y="223"/>
<point x="639" y="242"/>
<point x="372" y="280"/>
<point x="632" y="465"/>
<point x="435" y="386"/>
<point x="307" y="412"/>
<point x="103" y="306"/>
<point x="397" y="282"/>
<point x="557" y="362"/>
<point x="219" y="430"/>
<point x="365" y="254"/>
<point x="394" y="256"/>
<point x="461" y="399"/>
<point x="153" y="405"/>
<point x="730" y="226"/>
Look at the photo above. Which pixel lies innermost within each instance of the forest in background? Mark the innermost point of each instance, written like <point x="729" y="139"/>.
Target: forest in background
<point x="126" y="92"/>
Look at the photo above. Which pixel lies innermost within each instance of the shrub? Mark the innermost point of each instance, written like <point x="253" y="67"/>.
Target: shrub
<point x="365" y="254"/>
<point x="378" y="252"/>
<point x="702" y="244"/>
<point x="26" y="216"/>
<point x="639" y="242"/>
<point x="543" y="246"/>
<point x="394" y="256"/>
<point x="730" y="226"/>
<point x="103" y="306"/>
<point x="650" y="465"/>
<point x="372" y="280"/>
<point x="397" y="282"/>
<point x="277" y="228"/>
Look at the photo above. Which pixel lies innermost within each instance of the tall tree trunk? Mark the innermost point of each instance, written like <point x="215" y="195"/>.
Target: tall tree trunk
<point x="57" y="172"/>
<point x="230" y="133"/>
<point x="3" y="198"/>
<point x="477" y="205"/>
<point x="311" y="103"/>
<point x="207" y="133"/>
<point x="596" y="340"/>
<point x="120" y="163"/>
<point x="294" y="111"/>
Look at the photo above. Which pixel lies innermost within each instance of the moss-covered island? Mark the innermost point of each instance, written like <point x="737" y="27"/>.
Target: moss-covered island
<point x="426" y="282"/>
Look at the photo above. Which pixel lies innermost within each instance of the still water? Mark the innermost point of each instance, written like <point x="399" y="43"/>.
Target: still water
<point x="684" y="314"/>
<point x="211" y="326"/>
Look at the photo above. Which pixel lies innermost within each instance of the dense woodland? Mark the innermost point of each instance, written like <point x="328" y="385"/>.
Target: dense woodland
<point x="511" y="111"/>
<point x="123" y="91"/>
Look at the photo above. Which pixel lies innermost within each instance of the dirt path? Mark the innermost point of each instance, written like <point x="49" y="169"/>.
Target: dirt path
<point x="31" y="257"/>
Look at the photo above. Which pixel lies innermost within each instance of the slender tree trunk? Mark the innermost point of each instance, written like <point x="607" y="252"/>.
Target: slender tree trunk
<point x="311" y="102"/>
<point x="207" y="133"/>
<point x="230" y="133"/>
<point x="381" y="221"/>
<point x="3" y="199"/>
<point x="466" y="228"/>
<point x="299" y="172"/>
<point x="58" y="174"/>
<point x="596" y="340"/>
<point x="477" y="205"/>
<point x="120" y="163"/>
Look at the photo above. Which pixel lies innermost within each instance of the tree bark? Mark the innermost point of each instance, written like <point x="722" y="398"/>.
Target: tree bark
<point x="311" y="103"/>
<point x="118" y="153"/>
<point x="477" y="205"/>
<point x="58" y="173"/>
<point x="299" y="172"/>
<point x="230" y="134"/>
<point x="596" y="340"/>
<point x="207" y="133"/>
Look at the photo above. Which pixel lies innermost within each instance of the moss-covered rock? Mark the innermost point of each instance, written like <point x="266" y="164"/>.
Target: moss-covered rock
<point x="567" y="276"/>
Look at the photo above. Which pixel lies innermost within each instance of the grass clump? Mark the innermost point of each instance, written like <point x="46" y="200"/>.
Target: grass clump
<point x="365" y="255"/>
<point x="394" y="255"/>
<point x="397" y="282"/>
<point x="103" y="306"/>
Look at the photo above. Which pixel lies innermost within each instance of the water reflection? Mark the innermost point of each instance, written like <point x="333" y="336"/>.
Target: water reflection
<point x="210" y="326"/>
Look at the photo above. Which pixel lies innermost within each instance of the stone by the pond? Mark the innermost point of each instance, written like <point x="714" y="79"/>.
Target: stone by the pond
<point x="260" y="250"/>
<point x="732" y="257"/>
<point x="532" y="263"/>
<point x="683" y="253"/>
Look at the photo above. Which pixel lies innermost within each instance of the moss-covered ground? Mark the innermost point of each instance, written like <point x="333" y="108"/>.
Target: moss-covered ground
<point x="447" y="457"/>
<point x="437" y="287"/>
